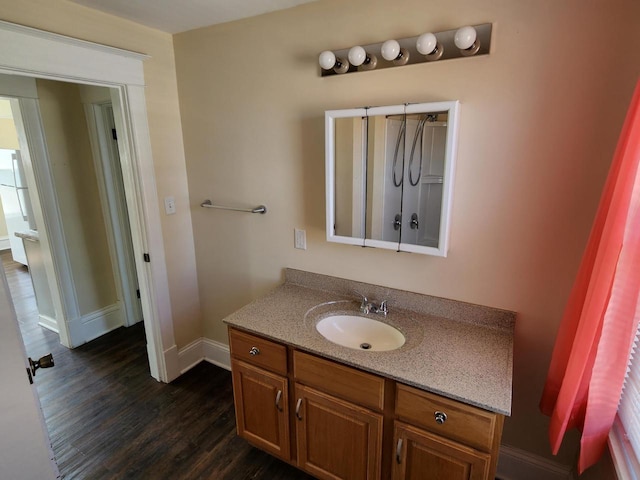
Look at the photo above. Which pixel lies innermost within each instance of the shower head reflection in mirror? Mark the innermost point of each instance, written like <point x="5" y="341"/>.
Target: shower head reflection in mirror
<point x="390" y="176"/>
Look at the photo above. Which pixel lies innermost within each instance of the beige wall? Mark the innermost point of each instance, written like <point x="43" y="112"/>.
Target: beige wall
<point x="74" y="178"/>
<point x="67" y="18"/>
<point x="9" y="141"/>
<point x="8" y="134"/>
<point x="539" y="122"/>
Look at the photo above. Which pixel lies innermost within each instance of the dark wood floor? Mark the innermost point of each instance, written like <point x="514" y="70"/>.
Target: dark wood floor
<point x="108" y="419"/>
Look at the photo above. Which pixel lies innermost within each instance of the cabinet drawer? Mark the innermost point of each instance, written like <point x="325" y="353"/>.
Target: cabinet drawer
<point x="258" y="351"/>
<point x="343" y="382"/>
<point x="470" y="425"/>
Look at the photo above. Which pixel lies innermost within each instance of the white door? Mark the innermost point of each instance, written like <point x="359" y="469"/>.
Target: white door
<point x="25" y="451"/>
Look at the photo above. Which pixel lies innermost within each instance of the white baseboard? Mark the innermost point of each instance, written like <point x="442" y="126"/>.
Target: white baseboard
<point x="48" y="323"/>
<point x="4" y="243"/>
<point x="516" y="464"/>
<point x="171" y="363"/>
<point x="190" y="356"/>
<point x="217" y="353"/>
<point x="95" y="324"/>
<point x="201" y="349"/>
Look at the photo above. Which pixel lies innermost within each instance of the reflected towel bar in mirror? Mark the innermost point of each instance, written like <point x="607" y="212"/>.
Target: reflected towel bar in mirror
<point x="259" y="209"/>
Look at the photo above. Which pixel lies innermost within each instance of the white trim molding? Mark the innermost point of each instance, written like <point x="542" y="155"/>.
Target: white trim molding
<point x="217" y="353"/>
<point x="48" y="323"/>
<point x="95" y="324"/>
<point x="204" y="349"/>
<point x="171" y="361"/>
<point x="91" y="63"/>
<point x="191" y="355"/>
<point x="516" y="464"/>
<point x="4" y="243"/>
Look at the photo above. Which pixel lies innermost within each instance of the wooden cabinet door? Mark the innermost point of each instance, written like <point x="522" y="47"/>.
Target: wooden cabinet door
<point x="336" y="439"/>
<point x="421" y="455"/>
<point x="262" y="408"/>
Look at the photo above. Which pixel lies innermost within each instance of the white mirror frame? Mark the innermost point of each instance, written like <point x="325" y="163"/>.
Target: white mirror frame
<point x="453" y="110"/>
<point x="330" y="172"/>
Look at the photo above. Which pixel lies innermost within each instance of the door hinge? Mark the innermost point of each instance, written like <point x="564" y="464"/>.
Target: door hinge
<point x="138" y="292"/>
<point x="29" y="376"/>
<point x="146" y="257"/>
<point x="114" y="134"/>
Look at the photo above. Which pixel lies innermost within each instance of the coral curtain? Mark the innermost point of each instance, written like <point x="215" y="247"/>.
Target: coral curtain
<point x="596" y="334"/>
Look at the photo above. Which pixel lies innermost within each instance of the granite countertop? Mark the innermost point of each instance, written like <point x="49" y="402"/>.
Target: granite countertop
<point x="32" y="235"/>
<point x="458" y="350"/>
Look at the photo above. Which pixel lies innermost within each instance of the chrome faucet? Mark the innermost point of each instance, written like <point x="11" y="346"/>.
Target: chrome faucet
<point x="367" y="307"/>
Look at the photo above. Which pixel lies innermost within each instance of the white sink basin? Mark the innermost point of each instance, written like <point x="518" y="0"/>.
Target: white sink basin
<point x="361" y="333"/>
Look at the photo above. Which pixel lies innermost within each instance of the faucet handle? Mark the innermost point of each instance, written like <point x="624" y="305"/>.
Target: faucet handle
<point x="364" y="298"/>
<point x="364" y="306"/>
<point x="383" y="309"/>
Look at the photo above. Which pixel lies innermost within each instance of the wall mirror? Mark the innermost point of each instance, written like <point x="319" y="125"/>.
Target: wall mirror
<point x="389" y="176"/>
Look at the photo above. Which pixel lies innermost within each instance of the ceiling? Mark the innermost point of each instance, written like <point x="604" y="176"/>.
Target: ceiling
<point x="175" y="16"/>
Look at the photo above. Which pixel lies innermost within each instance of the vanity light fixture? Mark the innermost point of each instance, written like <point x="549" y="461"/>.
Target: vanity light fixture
<point x="466" y="41"/>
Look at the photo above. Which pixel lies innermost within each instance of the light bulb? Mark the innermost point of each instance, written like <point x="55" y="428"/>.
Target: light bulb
<point x="327" y="60"/>
<point x="393" y="52"/>
<point x="465" y="37"/>
<point x="426" y="43"/>
<point x="357" y="56"/>
<point x="390" y="50"/>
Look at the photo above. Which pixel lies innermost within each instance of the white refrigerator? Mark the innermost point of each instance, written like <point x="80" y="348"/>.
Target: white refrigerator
<point x="16" y="205"/>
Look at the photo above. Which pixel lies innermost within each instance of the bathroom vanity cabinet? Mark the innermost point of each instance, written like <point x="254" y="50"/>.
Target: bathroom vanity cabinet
<point x="261" y="392"/>
<point x="338" y="422"/>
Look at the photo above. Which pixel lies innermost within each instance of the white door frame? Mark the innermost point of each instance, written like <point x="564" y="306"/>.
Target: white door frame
<point x="112" y="198"/>
<point x="40" y="54"/>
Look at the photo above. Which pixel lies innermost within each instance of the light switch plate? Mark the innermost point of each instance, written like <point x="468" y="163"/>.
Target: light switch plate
<point x="169" y="205"/>
<point x="300" y="239"/>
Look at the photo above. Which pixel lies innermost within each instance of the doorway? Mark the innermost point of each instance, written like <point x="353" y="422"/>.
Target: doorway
<point x="39" y="54"/>
<point x="90" y="222"/>
<point x="45" y="55"/>
<point x="75" y="180"/>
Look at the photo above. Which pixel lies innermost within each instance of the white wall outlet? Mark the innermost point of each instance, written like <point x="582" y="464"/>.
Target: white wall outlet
<point x="300" y="239"/>
<point x="169" y="205"/>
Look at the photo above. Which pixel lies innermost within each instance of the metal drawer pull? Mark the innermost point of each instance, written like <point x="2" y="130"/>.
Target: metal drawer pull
<point x="298" y="405"/>
<point x="278" y="397"/>
<point x="440" y="417"/>
<point x="399" y="451"/>
<point x="254" y="351"/>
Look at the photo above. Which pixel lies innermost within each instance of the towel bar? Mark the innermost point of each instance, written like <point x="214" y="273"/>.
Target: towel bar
<point x="259" y="209"/>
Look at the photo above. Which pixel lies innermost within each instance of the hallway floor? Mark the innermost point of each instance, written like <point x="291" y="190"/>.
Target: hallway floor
<point x="108" y="419"/>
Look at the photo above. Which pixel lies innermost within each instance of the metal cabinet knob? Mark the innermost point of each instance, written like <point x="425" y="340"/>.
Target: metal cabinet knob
<point x="440" y="417"/>
<point x="278" y="398"/>
<point x="254" y="351"/>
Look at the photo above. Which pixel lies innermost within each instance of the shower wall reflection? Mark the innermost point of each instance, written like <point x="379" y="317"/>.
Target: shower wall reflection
<point x="392" y="170"/>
